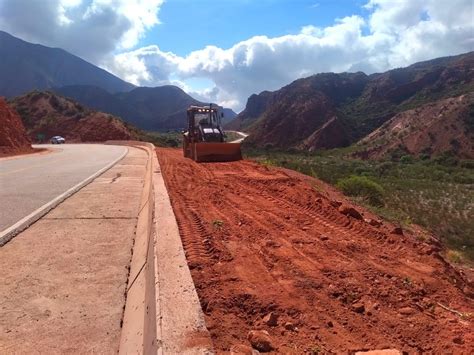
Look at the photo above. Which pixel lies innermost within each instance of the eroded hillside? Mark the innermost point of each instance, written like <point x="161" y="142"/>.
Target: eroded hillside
<point x="45" y="114"/>
<point x="334" y="110"/>
<point x="13" y="137"/>
<point x="443" y="126"/>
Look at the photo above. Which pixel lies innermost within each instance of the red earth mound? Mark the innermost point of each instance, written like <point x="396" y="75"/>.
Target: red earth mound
<point x="13" y="138"/>
<point x="274" y="251"/>
<point x="46" y="114"/>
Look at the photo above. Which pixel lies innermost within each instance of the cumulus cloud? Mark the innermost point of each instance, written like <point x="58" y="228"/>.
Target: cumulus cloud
<point x="394" y="33"/>
<point x="91" y="29"/>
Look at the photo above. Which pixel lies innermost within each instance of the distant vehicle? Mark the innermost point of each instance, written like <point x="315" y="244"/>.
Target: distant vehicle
<point x="58" y="140"/>
<point x="205" y="139"/>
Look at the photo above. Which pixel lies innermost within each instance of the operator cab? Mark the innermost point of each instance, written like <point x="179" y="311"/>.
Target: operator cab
<point x="207" y="124"/>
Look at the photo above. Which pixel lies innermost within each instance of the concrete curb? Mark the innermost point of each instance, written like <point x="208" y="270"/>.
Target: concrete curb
<point x="181" y="325"/>
<point x="162" y="311"/>
<point x="9" y="233"/>
<point x="139" y="325"/>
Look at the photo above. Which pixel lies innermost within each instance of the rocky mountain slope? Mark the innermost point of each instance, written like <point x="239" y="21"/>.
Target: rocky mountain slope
<point x="439" y="127"/>
<point x="332" y="110"/>
<point x="46" y="114"/>
<point x="25" y="66"/>
<point x="13" y="137"/>
<point x="256" y="106"/>
<point x="154" y="109"/>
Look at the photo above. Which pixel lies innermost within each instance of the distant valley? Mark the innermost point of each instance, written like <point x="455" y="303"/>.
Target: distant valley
<point x="323" y="111"/>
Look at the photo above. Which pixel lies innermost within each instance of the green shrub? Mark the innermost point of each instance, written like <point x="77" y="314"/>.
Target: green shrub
<point x="406" y="159"/>
<point x="469" y="119"/>
<point x="467" y="164"/>
<point x="446" y="159"/>
<point x="362" y="186"/>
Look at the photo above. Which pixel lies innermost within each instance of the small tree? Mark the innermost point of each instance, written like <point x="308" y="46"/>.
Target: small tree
<point x="363" y="187"/>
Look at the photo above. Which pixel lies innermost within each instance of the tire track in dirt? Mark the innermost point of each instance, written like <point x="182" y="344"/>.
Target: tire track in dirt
<point x="262" y="240"/>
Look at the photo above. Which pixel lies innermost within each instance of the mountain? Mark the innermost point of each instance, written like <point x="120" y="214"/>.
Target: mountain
<point x="25" y="66"/>
<point x="256" y="106"/>
<point x="154" y="109"/>
<point x="13" y="137"/>
<point x="229" y="115"/>
<point x="46" y="114"/>
<point x="443" y="126"/>
<point x="332" y="110"/>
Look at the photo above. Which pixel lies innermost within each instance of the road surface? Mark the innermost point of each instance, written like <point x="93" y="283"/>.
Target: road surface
<point x="241" y="134"/>
<point x="27" y="183"/>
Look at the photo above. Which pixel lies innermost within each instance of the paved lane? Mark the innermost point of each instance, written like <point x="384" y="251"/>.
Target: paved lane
<point x="27" y="183"/>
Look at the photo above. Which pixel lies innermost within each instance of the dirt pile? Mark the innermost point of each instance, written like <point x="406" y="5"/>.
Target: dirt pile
<point x="13" y="137"/>
<point x="445" y="126"/>
<point x="46" y="114"/>
<point x="272" y="251"/>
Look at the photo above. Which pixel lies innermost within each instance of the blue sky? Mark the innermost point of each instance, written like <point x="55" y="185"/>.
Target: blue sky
<point x="188" y="25"/>
<point x="223" y="51"/>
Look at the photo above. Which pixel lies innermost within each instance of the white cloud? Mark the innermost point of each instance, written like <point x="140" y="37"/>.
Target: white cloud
<point x="395" y="33"/>
<point x="91" y="29"/>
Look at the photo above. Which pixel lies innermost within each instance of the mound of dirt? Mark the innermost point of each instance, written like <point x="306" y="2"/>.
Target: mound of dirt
<point x="445" y="126"/>
<point x="46" y="114"/>
<point x="13" y="137"/>
<point x="278" y="254"/>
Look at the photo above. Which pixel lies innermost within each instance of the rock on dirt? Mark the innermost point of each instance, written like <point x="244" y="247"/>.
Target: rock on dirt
<point x="373" y="222"/>
<point x="406" y="311"/>
<point x="261" y="340"/>
<point x="350" y="211"/>
<point x="271" y="319"/>
<point x="458" y="340"/>
<point x="358" y="307"/>
<point x="290" y="326"/>
<point x="336" y="204"/>
<point x="243" y="350"/>
<point x="397" y="230"/>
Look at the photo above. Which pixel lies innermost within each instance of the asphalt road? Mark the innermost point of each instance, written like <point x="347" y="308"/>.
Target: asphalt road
<point x="27" y="183"/>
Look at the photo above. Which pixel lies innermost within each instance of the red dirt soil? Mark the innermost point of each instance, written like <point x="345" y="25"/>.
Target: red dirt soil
<point x="261" y="240"/>
<point x="13" y="138"/>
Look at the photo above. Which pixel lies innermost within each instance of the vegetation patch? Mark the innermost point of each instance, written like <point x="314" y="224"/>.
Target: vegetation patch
<point x="436" y="193"/>
<point x="363" y="187"/>
<point x="172" y="139"/>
